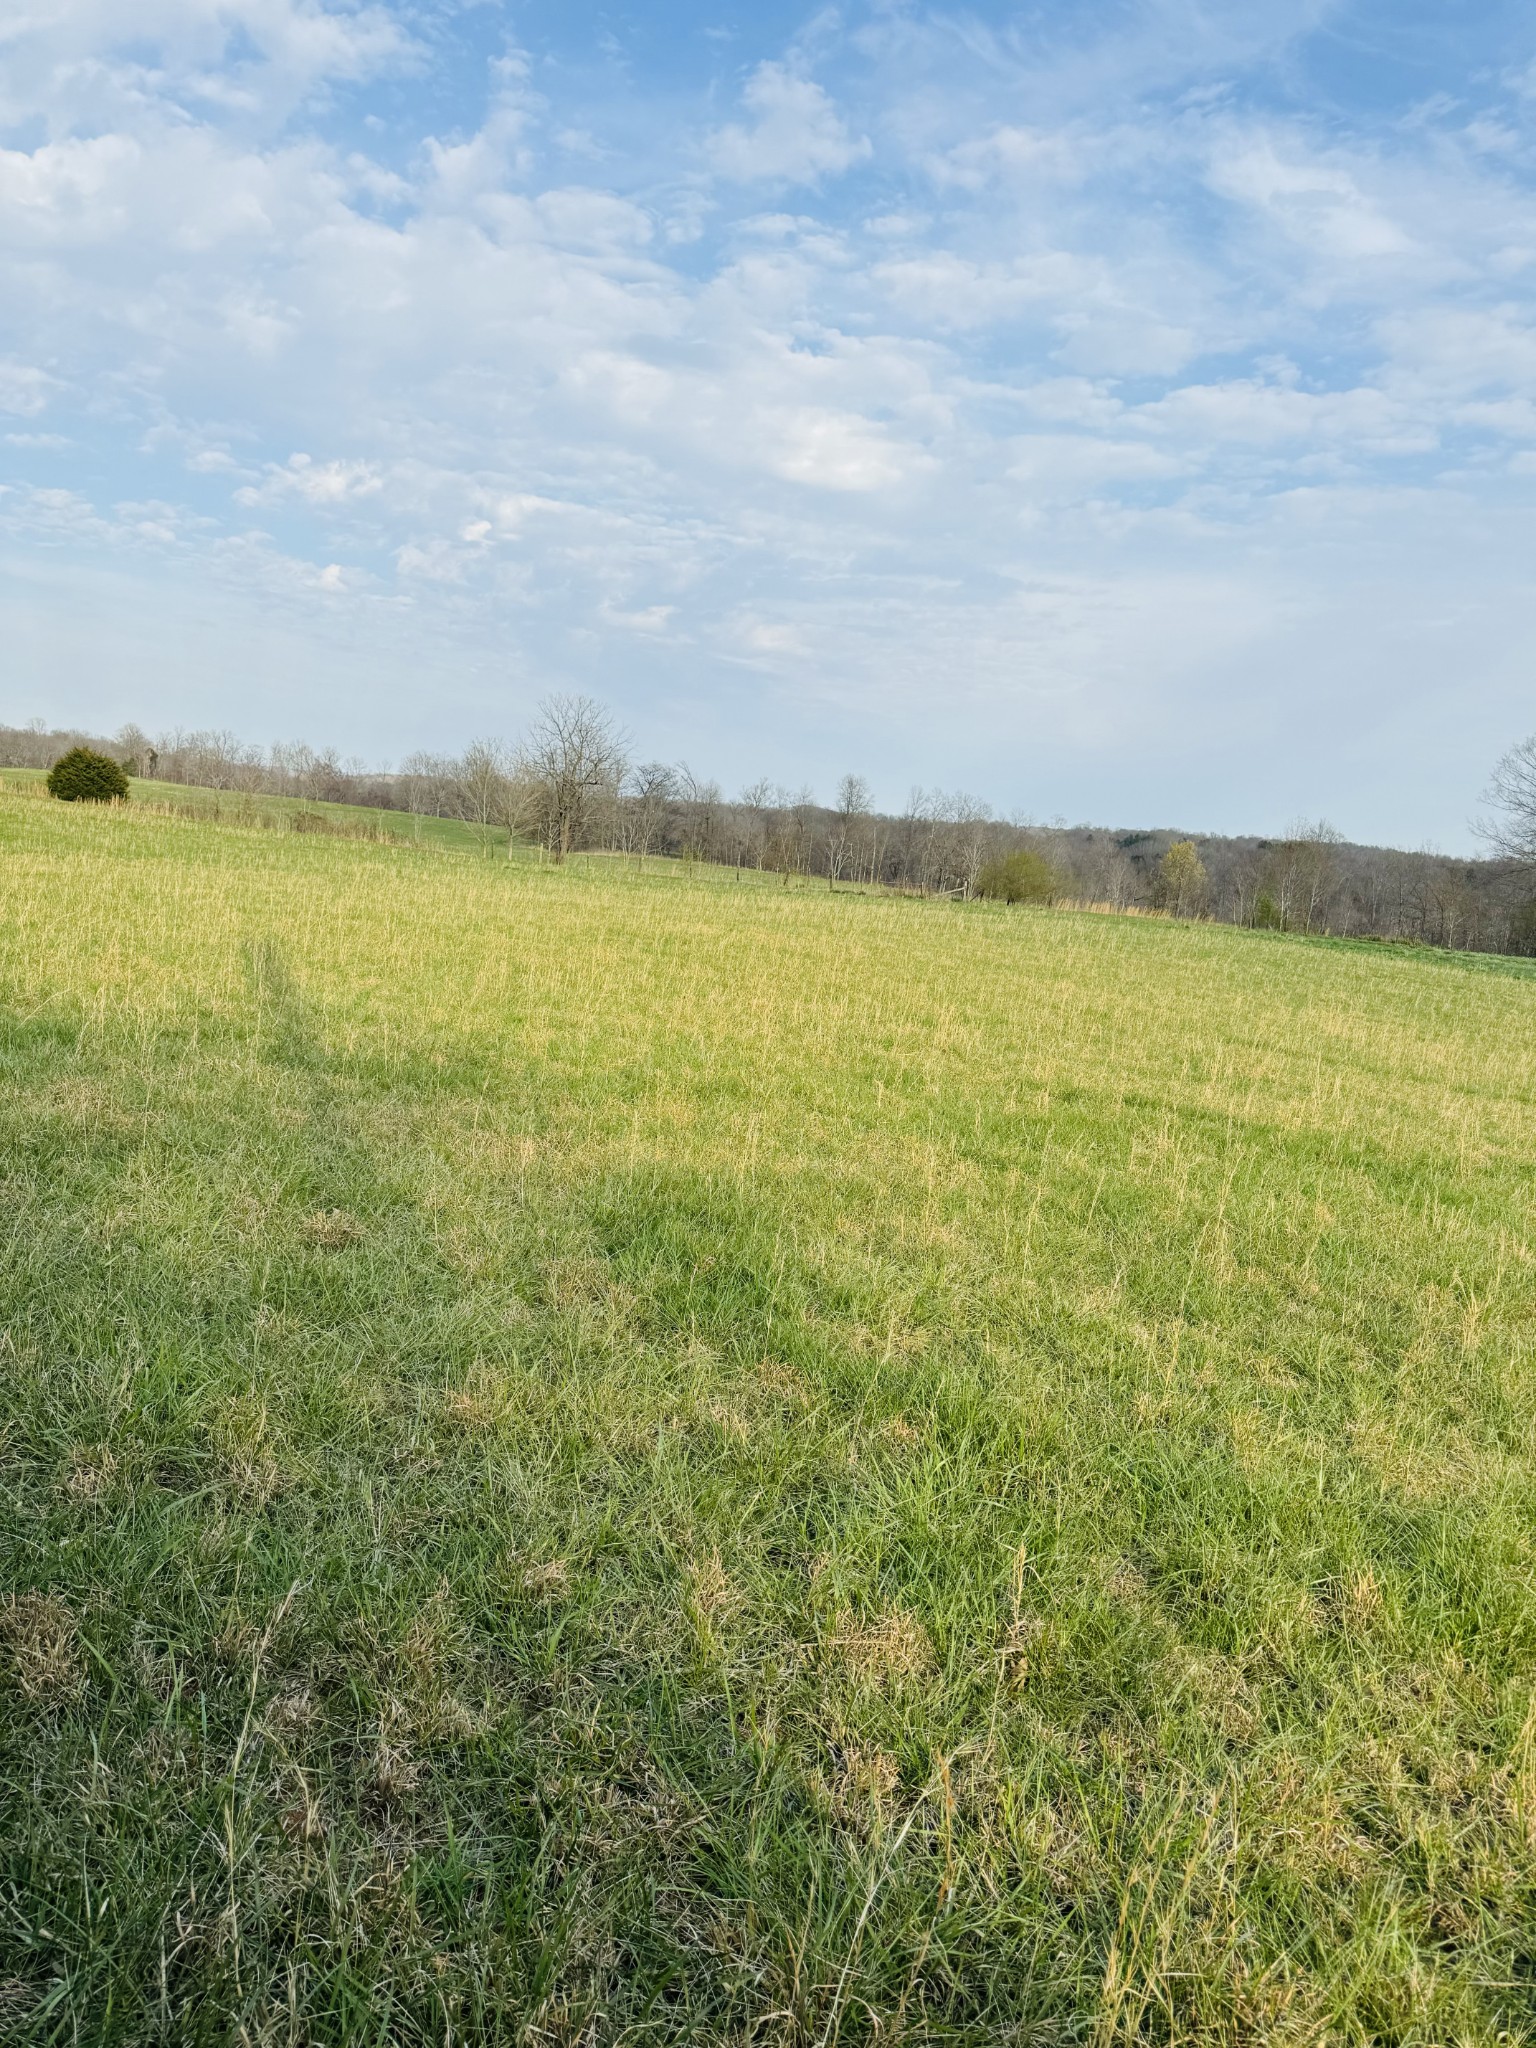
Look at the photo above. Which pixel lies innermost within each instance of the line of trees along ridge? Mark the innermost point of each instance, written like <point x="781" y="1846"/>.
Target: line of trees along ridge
<point x="572" y="783"/>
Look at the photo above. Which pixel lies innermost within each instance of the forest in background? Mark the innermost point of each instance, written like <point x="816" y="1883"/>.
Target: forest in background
<point x="573" y="785"/>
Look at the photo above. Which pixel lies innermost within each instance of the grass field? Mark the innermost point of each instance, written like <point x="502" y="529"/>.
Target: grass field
<point x="287" y="813"/>
<point x="593" y="1458"/>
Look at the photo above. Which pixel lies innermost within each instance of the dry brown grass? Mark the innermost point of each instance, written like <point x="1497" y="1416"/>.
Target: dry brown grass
<point x="41" y="1640"/>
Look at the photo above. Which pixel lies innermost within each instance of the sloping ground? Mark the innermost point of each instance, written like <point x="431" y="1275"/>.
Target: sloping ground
<point x="284" y="813"/>
<point x="591" y="1458"/>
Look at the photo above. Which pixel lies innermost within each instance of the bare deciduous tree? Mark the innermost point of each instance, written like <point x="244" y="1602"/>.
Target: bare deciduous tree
<point x="799" y="811"/>
<point x="487" y="794"/>
<point x="1314" y="869"/>
<point x="1300" y="876"/>
<point x="972" y="822"/>
<point x="430" y="784"/>
<point x="136" y="750"/>
<point x="853" y="808"/>
<point x="700" y="801"/>
<point x="297" y="770"/>
<point x="211" y="760"/>
<point x="1513" y="792"/>
<point x="649" y="791"/>
<point x="757" y="802"/>
<point x="572" y="761"/>
<point x="915" y="827"/>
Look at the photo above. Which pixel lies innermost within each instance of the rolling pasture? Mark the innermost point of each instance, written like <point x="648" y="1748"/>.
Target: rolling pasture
<point x="594" y="1456"/>
<point x="287" y="814"/>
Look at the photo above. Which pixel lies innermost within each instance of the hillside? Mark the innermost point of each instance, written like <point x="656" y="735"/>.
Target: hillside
<point x="283" y="813"/>
<point x="1309" y="880"/>
<point x="597" y="1456"/>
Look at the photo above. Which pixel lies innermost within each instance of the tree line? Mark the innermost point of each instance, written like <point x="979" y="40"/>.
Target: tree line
<point x="571" y="783"/>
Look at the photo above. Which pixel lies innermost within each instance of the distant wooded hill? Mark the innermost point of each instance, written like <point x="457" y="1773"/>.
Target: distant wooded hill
<point x="1310" y="880"/>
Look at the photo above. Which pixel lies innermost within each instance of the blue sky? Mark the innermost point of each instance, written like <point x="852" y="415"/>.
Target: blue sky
<point x="1123" y="412"/>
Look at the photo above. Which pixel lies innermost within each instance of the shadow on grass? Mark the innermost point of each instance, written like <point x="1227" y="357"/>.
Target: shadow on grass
<point x="606" y="1611"/>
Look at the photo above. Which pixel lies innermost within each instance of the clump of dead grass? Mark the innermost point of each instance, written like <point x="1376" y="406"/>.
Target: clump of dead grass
<point x="331" y="1230"/>
<point x="41" y="1639"/>
<point x="888" y="1652"/>
<point x="549" y="1579"/>
<point x="857" y="1782"/>
<point x="92" y="1469"/>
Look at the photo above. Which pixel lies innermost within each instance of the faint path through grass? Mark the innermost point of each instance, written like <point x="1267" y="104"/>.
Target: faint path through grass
<point x="596" y="1461"/>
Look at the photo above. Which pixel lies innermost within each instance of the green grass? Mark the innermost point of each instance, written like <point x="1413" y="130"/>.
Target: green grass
<point x="287" y="813"/>
<point x="591" y="1458"/>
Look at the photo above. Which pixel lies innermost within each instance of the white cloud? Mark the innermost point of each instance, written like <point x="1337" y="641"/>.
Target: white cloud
<point x="1514" y="417"/>
<point x="1315" y="201"/>
<point x="944" y="288"/>
<point x="1449" y="352"/>
<point x="252" y="562"/>
<point x="1077" y="463"/>
<point x="484" y="162"/>
<point x="1010" y="154"/>
<point x="794" y="137"/>
<point x="316" y="483"/>
<point x="255" y="59"/>
<point x="24" y="388"/>
<point x="651" y="618"/>
<point x="1261" y="414"/>
<point x="837" y="451"/>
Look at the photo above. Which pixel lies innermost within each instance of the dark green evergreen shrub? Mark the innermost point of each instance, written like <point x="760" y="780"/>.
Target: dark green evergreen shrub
<point x="1019" y="877"/>
<point x="84" y="777"/>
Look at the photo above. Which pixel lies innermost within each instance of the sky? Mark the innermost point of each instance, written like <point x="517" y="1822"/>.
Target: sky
<point x="1121" y="412"/>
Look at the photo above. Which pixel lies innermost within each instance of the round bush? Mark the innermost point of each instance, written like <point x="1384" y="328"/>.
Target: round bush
<point x="1022" y="876"/>
<point x="84" y="777"/>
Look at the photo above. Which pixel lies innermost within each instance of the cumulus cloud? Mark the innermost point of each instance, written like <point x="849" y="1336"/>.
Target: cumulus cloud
<point x="793" y="134"/>
<point x="1447" y="351"/>
<point x="1317" y="202"/>
<point x="254" y="60"/>
<point x="839" y="451"/>
<point x="1008" y="154"/>
<point x="316" y="483"/>
<point x="24" y="388"/>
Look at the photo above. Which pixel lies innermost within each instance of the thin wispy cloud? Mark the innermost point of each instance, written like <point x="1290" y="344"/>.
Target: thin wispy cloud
<point x="1130" y="418"/>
